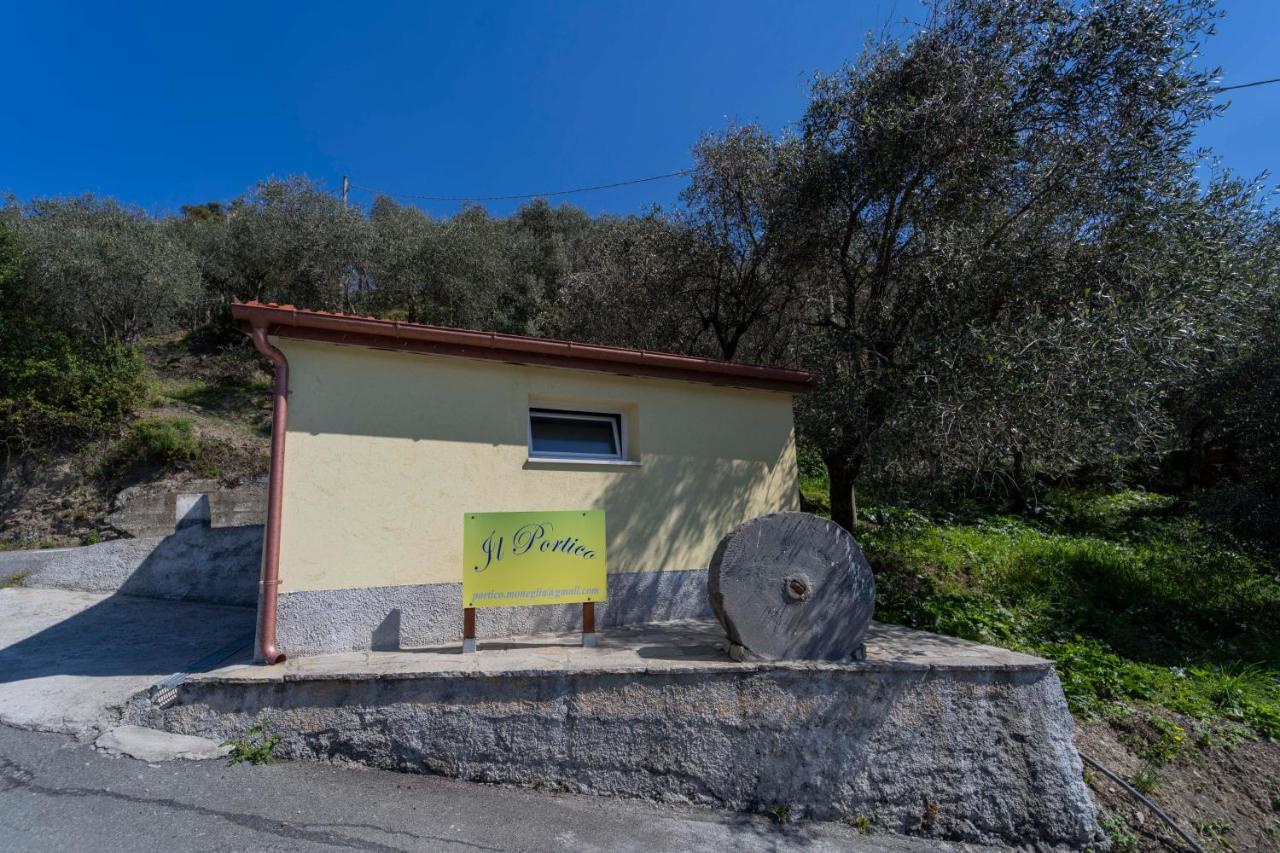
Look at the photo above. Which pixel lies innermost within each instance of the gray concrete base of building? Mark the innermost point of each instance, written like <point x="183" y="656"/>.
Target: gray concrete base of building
<point x="929" y="736"/>
<point x="386" y="618"/>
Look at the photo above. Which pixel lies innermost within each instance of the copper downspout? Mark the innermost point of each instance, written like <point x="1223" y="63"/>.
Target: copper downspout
<point x="268" y="652"/>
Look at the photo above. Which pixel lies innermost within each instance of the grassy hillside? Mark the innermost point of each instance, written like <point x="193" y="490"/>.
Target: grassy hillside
<point x="1164" y="630"/>
<point x="1134" y="599"/>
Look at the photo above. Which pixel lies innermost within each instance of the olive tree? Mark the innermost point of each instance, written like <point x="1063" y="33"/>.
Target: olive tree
<point x="966" y="180"/>
<point x="96" y="267"/>
<point x="1223" y="264"/>
<point x="630" y="293"/>
<point x="545" y="247"/>
<point x="286" y="240"/>
<point x="720" y="275"/>
<point x="58" y="383"/>
<point x="449" y="272"/>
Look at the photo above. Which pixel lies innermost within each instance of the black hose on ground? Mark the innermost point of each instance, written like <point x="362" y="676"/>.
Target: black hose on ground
<point x="1132" y="790"/>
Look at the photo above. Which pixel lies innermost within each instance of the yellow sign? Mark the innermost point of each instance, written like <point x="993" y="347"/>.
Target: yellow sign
<point x="518" y="558"/>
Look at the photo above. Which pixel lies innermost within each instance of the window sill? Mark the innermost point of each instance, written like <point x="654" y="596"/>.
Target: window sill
<point x="558" y="461"/>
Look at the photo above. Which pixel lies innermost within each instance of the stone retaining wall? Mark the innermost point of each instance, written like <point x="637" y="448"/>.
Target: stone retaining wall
<point x="217" y="565"/>
<point x="983" y="755"/>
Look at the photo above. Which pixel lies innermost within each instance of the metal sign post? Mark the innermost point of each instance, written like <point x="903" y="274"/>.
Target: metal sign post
<point x="589" y="624"/>
<point x="468" y="630"/>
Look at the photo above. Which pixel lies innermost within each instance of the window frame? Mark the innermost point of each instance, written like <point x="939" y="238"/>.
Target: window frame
<point x="616" y="419"/>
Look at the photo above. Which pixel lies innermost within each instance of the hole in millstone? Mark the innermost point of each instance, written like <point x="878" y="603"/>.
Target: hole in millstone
<point x="798" y="588"/>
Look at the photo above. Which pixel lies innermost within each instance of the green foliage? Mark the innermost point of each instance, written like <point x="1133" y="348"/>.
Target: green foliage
<point x="56" y="385"/>
<point x="1123" y="839"/>
<point x="976" y="307"/>
<point x="1146" y="780"/>
<point x="1135" y="601"/>
<point x="256" y="746"/>
<point x="1168" y="743"/>
<point x="1217" y="833"/>
<point x="14" y="580"/>
<point x="1248" y="693"/>
<point x="1229" y="687"/>
<point x="96" y="268"/>
<point x="166" y="443"/>
<point x="812" y="470"/>
<point x="779" y="813"/>
<point x="55" y="388"/>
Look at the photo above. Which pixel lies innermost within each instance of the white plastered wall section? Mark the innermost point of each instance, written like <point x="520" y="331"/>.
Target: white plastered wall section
<point x="386" y="451"/>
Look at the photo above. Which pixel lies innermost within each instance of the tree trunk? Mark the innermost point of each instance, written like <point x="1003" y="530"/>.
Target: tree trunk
<point x="844" y="509"/>
<point x="1018" y="483"/>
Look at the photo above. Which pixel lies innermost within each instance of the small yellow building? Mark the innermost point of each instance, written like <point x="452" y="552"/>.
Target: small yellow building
<point x="387" y="432"/>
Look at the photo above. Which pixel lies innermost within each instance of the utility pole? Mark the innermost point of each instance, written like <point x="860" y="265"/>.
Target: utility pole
<point x="346" y="185"/>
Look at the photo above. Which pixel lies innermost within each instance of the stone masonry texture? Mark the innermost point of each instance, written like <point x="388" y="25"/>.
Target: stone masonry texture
<point x="216" y="565"/>
<point x="967" y="751"/>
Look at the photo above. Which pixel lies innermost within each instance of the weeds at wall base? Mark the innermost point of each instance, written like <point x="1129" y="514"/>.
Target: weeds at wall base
<point x="255" y="746"/>
<point x="1123" y="839"/>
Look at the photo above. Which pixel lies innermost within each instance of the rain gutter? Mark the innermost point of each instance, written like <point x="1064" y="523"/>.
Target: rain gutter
<point x="267" y="651"/>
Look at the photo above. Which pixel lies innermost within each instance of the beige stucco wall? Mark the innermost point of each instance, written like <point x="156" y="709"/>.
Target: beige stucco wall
<point x="386" y="451"/>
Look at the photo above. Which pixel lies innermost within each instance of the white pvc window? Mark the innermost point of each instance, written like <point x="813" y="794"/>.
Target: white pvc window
<point x="562" y="434"/>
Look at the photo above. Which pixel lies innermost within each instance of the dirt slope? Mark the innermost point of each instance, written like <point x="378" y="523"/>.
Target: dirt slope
<point x="62" y="497"/>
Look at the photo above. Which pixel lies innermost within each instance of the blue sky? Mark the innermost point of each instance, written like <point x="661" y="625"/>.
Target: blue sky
<point x="172" y="103"/>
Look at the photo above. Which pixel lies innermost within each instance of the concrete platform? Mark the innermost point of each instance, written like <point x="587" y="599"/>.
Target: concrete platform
<point x="672" y="647"/>
<point x="70" y="661"/>
<point x="930" y="735"/>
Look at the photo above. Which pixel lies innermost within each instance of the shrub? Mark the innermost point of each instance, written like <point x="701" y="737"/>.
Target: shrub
<point x="56" y="385"/>
<point x="166" y="441"/>
<point x="162" y="442"/>
<point x="1146" y="780"/>
<point x="14" y="580"/>
<point x="55" y="388"/>
<point x="779" y="813"/>
<point x="810" y="464"/>
<point x="1166" y="745"/>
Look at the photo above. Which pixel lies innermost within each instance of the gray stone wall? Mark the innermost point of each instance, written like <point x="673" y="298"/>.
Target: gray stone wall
<point x="196" y="541"/>
<point x="147" y="511"/>
<point x="389" y="617"/>
<point x="982" y="755"/>
<point x="217" y="565"/>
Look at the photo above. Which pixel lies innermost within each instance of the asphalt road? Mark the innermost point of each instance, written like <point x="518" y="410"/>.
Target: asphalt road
<point x="59" y="794"/>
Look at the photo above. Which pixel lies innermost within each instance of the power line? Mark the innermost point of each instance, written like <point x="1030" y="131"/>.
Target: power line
<point x="1247" y="85"/>
<point x="596" y="187"/>
<point x="676" y="174"/>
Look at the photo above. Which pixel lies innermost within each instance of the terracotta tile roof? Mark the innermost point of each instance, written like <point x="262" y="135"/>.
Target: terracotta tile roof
<point x="290" y="322"/>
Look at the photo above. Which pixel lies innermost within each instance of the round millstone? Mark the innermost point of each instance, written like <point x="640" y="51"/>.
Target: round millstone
<point x="791" y="585"/>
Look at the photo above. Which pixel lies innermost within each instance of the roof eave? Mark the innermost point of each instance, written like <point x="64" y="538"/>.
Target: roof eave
<point x="287" y="321"/>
